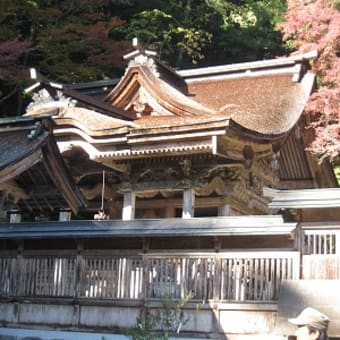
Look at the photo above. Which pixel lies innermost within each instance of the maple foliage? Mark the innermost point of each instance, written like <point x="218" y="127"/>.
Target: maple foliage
<point x="10" y="52"/>
<point x="315" y="25"/>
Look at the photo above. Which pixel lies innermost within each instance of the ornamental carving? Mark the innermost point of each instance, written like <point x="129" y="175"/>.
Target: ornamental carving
<point x="181" y="174"/>
<point x="43" y="99"/>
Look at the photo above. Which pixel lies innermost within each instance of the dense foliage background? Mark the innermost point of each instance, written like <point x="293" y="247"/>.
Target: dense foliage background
<point x="84" y="40"/>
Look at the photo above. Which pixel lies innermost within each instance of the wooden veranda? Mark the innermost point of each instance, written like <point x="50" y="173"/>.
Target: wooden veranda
<point x="63" y="273"/>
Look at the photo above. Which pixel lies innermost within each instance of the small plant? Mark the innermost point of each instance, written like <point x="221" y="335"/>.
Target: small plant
<point x="171" y="317"/>
<point x="143" y="330"/>
<point x="161" y="324"/>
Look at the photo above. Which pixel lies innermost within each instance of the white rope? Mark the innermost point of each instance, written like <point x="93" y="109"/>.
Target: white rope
<point x="103" y="191"/>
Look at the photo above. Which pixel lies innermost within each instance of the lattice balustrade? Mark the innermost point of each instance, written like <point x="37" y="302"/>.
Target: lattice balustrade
<point x="241" y="276"/>
<point x="319" y="241"/>
<point x="321" y="253"/>
<point x="47" y="276"/>
<point x="115" y="277"/>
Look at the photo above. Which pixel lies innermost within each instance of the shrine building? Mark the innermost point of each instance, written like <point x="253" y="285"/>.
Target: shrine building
<point x="167" y="184"/>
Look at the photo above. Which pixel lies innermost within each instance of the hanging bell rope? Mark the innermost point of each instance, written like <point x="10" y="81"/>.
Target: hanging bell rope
<point x="101" y="213"/>
<point x="103" y="191"/>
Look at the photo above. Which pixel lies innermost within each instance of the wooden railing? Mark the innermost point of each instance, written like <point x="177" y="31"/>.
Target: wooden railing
<point x="319" y="242"/>
<point x="320" y="249"/>
<point x="241" y="276"/>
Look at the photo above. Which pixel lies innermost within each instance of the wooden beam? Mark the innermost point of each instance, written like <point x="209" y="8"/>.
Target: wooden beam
<point x="61" y="177"/>
<point x="200" y="202"/>
<point x="129" y="204"/>
<point x="19" y="167"/>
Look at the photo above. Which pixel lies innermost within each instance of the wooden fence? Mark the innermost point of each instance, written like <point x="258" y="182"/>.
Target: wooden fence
<point x="241" y="276"/>
<point x="320" y="242"/>
<point x="320" y="249"/>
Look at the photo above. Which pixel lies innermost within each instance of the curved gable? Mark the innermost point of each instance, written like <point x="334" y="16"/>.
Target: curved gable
<point x="143" y="91"/>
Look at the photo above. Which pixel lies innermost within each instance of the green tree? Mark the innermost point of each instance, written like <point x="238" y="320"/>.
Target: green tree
<point x="210" y="32"/>
<point x="248" y="30"/>
<point x="84" y="40"/>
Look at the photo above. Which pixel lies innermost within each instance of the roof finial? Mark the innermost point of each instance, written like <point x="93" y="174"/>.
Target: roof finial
<point x="139" y="51"/>
<point x="135" y="43"/>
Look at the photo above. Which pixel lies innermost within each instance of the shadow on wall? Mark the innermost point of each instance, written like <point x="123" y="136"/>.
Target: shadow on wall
<point x="295" y="295"/>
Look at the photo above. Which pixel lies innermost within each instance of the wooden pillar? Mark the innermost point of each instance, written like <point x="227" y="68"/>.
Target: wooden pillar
<point x="129" y="206"/>
<point x="65" y="215"/>
<point x="188" y="203"/>
<point x="14" y="216"/>
<point x="224" y="210"/>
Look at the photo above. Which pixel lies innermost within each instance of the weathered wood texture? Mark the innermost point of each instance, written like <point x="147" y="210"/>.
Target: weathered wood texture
<point x="320" y="251"/>
<point x="326" y="241"/>
<point x="321" y="267"/>
<point x="246" y="276"/>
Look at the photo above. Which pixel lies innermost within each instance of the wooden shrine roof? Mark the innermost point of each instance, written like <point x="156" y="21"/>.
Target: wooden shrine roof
<point x="216" y="226"/>
<point x="268" y="104"/>
<point x="262" y="100"/>
<point x="20" y="147"/>
<point x="32" y="170"/>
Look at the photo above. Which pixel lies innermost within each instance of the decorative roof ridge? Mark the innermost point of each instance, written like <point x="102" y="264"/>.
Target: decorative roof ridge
<point x="43" y="82"/>
<point x="144" y="75"/>
<point x="248" y="66"/>
<point x="138" y="51"/>
<point x="141" y="56"/>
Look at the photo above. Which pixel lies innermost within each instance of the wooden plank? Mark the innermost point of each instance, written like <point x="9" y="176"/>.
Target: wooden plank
<point x="230" y="278"/>
<point x="273" y="280"/>
<point x="185" y="280"/>
<point x="21" y="276"/>
<point x="217" y="278"/>
<point x="267" y="280"/>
